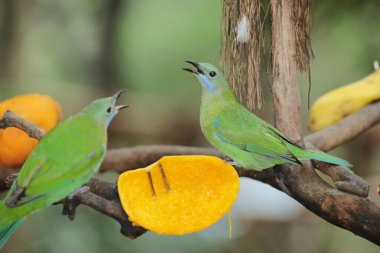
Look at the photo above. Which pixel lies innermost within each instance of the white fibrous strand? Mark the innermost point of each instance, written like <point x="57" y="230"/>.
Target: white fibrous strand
<point x="243" y="33"/>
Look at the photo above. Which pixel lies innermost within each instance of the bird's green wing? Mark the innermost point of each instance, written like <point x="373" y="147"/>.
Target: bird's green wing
<point x="251" y="134"/>
<point x="47" y="179"/>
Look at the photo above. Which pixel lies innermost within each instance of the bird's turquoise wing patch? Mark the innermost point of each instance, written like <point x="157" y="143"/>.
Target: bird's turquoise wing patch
<point x="239" y="140"/>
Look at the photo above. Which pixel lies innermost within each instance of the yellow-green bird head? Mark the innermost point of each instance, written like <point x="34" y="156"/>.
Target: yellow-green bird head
<point x="104" y="110"/>
<point x="210" y="77"/>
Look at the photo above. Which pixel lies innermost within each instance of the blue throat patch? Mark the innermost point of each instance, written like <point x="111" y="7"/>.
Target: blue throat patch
<point x="206" y="83"/>
<point x="110" y="118"/>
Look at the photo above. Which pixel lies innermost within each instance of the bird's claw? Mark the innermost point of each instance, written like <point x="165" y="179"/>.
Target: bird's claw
<point x="226" y="158"/>
<point x="69" y="207"/>
<point x="71" y="203"/>
<point x="229" y="160"/>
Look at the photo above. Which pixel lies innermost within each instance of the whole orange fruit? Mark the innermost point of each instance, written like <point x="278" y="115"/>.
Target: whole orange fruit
<point x="16" y="145"/>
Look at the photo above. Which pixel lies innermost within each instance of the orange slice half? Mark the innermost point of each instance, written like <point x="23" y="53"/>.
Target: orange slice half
<point x="179" y="194"/>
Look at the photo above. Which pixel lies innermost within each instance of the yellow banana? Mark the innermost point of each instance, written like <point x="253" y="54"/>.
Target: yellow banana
<point x="335" y="105"/>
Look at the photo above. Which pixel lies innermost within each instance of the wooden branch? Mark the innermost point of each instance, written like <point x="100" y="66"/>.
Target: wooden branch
<point x="344" y="179"/>
<point x="103" y="197"/>
<point x="141" y="156"/>
<point x="286" y="97"/>
<point x="10" y="119"/>
<point x="347" y="211"/>
<point x="346" y="129"/>
<point x="354" y="213"/>
<point x="333" y="136"/>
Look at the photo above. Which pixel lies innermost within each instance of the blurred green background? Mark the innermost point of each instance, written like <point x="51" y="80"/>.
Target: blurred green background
<point x="77" y="51"/>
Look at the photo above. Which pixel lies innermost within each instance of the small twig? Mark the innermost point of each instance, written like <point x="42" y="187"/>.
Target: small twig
<point x="111" y="208"/>
<point x="346" y="129"/>
<point x="333" y="136"/>
<point x="12" y="120"/>
<point x="344" y="179"/>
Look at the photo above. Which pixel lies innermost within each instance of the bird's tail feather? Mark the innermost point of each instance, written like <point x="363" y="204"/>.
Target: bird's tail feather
<point x="315" y="155"/>
<point x="7" y="230"/>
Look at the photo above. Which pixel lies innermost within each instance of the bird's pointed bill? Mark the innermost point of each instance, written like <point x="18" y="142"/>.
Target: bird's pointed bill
<point x="196" y="65"/>
<point x="116" y="96"/>
<point x="120" y="107"/>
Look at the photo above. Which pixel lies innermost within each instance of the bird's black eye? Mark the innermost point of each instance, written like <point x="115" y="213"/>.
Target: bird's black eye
<point x="109" y="109"/>
<point x="212" y="73"/>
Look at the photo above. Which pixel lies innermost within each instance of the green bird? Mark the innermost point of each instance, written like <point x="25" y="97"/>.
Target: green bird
<point x="64" y="160"/>
<point x="232" y="129"/>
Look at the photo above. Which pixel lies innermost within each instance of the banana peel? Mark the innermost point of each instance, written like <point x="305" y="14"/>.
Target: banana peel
<point x="337" y="104"/>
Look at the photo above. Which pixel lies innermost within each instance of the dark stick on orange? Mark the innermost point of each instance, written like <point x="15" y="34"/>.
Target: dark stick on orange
<point x="151" y="182"/>
<point x="167" y="186"/>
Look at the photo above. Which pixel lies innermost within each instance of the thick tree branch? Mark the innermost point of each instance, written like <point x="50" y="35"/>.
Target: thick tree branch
<point x="104" y="198"/>
<point x="141" y="156"/>
<point x="354" y="213"/>
<point x="333" y="136"/>
<point x="101" y="196"/>
<point x="286" y="97"/>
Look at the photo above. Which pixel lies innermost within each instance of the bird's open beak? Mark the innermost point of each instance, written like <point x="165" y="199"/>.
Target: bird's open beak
<point x="119" y="107"/>
<point x="196" y="65"/>
<point x="116" y="96"/>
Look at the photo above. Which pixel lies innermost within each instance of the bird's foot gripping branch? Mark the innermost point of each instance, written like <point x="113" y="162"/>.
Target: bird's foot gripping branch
<point x="102" y="197"/>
